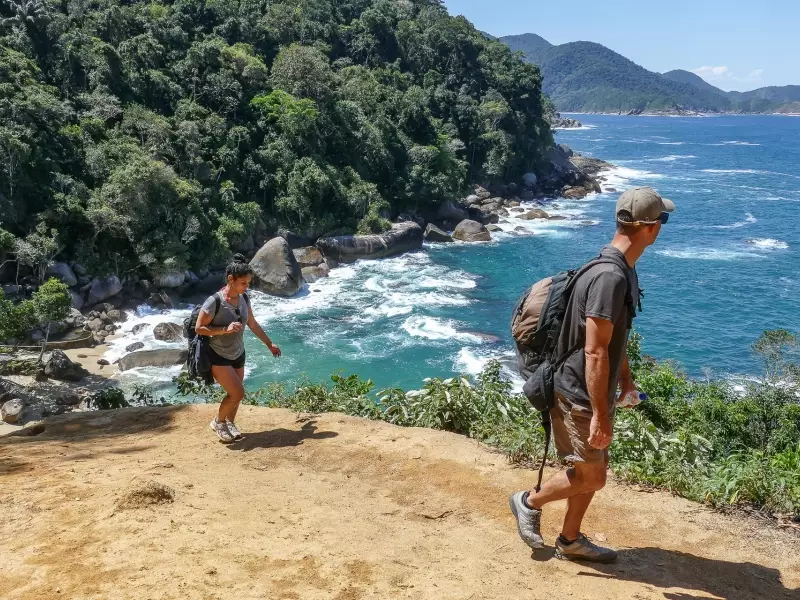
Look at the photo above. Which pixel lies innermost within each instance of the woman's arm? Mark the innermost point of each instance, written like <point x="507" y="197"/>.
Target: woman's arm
<point x="204" y="320"/>
<point x="260" y="333"/>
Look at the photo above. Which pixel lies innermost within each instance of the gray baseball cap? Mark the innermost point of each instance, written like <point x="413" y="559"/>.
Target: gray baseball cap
<point x="642" y="205"/>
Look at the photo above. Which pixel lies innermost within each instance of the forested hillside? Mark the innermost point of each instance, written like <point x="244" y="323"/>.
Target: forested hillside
<point x="159" y="135"/>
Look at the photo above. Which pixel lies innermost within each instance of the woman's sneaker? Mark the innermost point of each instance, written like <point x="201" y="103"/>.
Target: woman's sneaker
<point x="237" y="435"/>
<point x="584" y="549"/>
<point x="221" y="429"/>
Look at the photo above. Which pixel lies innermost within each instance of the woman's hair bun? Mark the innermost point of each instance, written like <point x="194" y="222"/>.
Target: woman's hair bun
<point x="239" y="258"/>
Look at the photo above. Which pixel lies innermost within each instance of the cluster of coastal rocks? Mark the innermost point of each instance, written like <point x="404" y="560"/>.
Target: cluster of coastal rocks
<point x="559" y="122"/>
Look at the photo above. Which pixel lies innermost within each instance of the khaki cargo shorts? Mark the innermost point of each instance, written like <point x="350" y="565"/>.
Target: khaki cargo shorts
<point x="571" y="423"/>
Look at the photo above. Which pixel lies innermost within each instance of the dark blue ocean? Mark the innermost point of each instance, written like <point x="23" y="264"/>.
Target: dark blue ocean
<point x="724" y="269"/>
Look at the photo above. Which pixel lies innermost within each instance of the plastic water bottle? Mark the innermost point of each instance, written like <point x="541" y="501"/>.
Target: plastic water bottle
<point x="631" y="399"/>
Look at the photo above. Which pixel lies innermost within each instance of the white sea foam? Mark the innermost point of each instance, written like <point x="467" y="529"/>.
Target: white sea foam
<point x="736" y="143"/>
<point x="768" y="244"/>
<point x="431" y="328"/>
<point x="581" y="128"/>
<point x="749" y="172"/>
<point x="622" y="178"/>
<point x="670" y="158"/>
<point x="147" y="318"/>
<point x="749" y="219"/>
<point x="471" y="361"/>
<point x="782" y="198"/>
<point x="671" y="143"/>
<point x="708" y="254"/>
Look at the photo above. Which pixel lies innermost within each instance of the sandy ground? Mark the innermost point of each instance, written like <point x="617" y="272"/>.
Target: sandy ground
<point x="90" y="361"/>
<point x="335" y="507"/>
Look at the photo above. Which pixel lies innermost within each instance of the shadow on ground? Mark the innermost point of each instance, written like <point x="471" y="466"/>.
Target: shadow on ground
<point x="281" y="438"/>
<point x="667" y="569"/>
<point x="84" y="427"/>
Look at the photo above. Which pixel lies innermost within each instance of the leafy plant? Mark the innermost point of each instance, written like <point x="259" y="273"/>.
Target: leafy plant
<point x="51" y="302"/>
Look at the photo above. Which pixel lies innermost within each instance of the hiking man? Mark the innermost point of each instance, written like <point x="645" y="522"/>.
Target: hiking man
<point x="592" y="348"/>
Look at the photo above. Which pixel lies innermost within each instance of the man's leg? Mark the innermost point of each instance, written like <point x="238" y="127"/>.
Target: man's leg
<point x="570" y="432"/>
<point x="582" y="479"/>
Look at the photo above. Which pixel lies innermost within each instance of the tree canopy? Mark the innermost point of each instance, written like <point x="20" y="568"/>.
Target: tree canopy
<point x="159" y="135"/>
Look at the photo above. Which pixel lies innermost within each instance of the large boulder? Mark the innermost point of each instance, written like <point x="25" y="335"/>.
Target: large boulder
<point x="59" y="366"/>
<point x="308" y="257"/>
<point x="471" y="231"/>
<point x="163" y="357"/>
<point x="209" y="284"/>
<point x="103" y="288"/>
<point x="168" y="332"/>
<point x="530" y="180"/>
<point x="277" y="271"/>
<point x="566" y="150"/>
<point x="77" y="300"/>
<point x="434" y="234"/>
<point x="489" y="218"/>
<point x="403" y="237"/>
<point x="295" y="240"/>
<point x="590" y="166"/>
<point x="536" y="213"/>
<point x="169" y="280"/>
<point x="313" y="274"/>
<point x="63" y="272"/>
<point x="450" y="212"/>
<point x="134" y="347"/>
<point x="11" y="411"/>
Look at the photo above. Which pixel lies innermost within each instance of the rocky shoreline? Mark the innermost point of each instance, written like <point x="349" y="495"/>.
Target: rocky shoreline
<point x="283" y="264"/>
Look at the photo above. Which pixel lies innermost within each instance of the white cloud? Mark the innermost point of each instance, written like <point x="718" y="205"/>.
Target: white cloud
<point x="711" y="72"/>
<point x="725" y="78"/>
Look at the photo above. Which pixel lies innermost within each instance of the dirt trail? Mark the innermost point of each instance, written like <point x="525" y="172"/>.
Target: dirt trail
<point x="335" y="507"/>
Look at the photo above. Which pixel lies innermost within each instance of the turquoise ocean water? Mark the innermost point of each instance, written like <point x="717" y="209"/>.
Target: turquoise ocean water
<point x="726" y="266"/>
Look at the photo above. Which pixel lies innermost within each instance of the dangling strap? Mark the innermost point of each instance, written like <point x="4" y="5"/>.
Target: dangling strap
<point x="547" y="431"/>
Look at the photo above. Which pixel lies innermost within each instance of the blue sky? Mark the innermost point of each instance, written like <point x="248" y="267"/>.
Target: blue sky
<point x="733" y="45"/>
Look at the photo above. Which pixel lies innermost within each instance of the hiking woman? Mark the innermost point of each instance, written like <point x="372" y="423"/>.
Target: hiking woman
<point x="222" y="320"/>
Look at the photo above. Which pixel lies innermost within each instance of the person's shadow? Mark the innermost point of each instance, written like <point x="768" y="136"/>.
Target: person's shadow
<point x="668" y="569"/>
<point x="281" y="438"/>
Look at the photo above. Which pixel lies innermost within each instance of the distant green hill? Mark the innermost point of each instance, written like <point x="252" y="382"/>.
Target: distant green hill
<point x="773" y="99"/>
<point x="530" y="44"/>
<point x="691" y="78"/>
<point x="588" y="77"/>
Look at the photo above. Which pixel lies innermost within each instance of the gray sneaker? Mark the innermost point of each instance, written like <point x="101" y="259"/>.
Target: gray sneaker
<point x="584" y="549"/>
<point x="529" y="521"/>
<point x="237" y="435"/>
<point x="221" y="429"/>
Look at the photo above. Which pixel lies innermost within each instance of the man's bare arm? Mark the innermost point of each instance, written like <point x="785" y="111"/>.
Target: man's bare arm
<point x="598" y="337"/>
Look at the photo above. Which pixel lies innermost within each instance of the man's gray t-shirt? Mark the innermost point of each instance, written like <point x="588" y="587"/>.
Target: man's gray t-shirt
<point x="600" y="292"/>
<point x="231" y="345"/>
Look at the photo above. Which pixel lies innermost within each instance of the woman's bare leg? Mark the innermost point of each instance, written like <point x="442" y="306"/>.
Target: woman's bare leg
<point x="240" y="375"/>
<point x="231" y="382"/>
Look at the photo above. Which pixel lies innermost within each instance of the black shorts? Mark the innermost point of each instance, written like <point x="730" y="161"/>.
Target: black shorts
<point x="220" y="361"/>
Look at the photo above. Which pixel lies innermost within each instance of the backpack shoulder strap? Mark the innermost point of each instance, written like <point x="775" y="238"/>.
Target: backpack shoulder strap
<point x="246" y="299"/>
<point x="217" y="304"/>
